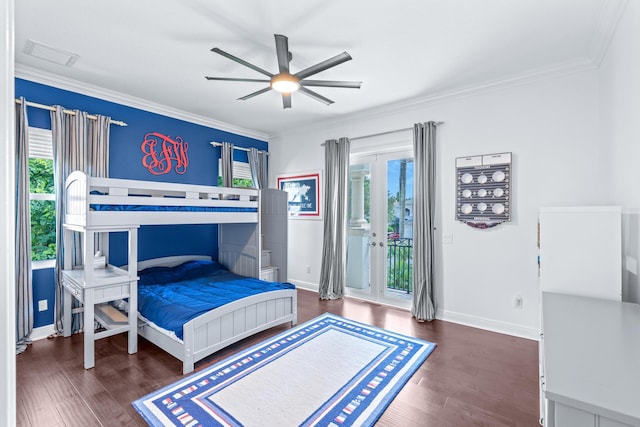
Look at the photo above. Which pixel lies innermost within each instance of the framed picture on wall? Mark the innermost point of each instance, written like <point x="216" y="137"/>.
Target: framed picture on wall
<point x="303" y="191"/>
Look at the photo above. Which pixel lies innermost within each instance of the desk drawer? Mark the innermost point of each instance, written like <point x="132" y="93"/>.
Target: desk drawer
<point x="74" y="288"/>
<point x="111" y="292"/>
<point x="102" y="293"/>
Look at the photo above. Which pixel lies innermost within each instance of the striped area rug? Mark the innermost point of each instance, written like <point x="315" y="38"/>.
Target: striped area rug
<point x="330" y="371"/>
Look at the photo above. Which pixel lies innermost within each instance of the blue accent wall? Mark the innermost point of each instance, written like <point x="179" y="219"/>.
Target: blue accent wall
<point x="125" y="161"/>
<point x="43" y="289"/>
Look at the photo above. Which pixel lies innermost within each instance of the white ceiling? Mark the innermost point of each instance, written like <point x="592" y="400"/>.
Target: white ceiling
<point x="159" y="50"/>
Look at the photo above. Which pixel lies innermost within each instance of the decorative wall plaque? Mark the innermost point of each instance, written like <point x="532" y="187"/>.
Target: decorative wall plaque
<point x="483" y="189"/>
<point x="162" y="154"/>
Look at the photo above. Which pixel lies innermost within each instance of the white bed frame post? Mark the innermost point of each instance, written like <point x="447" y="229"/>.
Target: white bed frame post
<point x="188" y="362"/>
<point x="89" y="298"/>
<point x="132" y="335"/>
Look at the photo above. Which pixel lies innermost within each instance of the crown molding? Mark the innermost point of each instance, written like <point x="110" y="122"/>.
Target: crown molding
<point x="556" y="70"/>
<point x="605" y="28"/>
<point x="50" y="79"/>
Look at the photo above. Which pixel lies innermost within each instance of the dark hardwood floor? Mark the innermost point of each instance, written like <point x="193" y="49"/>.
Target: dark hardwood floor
<point x="473" y="378"/>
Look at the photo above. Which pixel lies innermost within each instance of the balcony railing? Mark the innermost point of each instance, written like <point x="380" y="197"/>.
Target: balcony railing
<point x="400" y="264"/>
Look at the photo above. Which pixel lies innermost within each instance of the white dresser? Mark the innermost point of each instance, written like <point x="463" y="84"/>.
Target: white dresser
<point x="591" y="358"/>
<point x="580" y="254"/>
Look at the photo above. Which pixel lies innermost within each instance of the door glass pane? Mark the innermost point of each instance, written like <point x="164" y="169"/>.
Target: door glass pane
<point x="358" y="260"/>
<point x="399" y="254"/>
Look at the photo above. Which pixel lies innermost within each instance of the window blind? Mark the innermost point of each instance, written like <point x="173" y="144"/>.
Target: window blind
<point x="40" y="143"/>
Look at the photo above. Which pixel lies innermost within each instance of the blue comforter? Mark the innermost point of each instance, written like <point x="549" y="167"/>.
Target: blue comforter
<point x="171" y="296"/>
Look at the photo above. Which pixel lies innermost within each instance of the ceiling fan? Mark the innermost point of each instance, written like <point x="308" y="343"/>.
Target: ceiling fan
<point x="284" y="81"/>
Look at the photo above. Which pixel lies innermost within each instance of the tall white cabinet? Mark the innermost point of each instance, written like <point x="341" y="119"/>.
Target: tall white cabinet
<point x="581" y="251"/>
<point x="580" y="255"/>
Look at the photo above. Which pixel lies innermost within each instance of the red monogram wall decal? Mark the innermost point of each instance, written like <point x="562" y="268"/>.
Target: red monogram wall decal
<point x="162" y="154"/>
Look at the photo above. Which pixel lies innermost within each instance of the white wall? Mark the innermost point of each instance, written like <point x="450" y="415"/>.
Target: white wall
<point x="620" y="110"/>
<point x="7" y="219"/>
<point x="550" y="126"/>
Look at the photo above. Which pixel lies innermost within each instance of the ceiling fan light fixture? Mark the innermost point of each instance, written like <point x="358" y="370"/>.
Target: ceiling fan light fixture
<point x="285" y="83"/>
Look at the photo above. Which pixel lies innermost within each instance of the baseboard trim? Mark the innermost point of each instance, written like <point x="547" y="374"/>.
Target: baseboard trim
<point x="42" y="332"/>
<point x="305" y="285"/>
<point x="459" y="318"/>
<point x="489" y="324"/>
<point x="445" y="315"/>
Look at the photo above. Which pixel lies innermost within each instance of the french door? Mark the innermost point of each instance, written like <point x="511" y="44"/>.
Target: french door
<point x="380" y="251"/>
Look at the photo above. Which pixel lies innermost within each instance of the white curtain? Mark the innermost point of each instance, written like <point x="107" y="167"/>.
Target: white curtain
<point x="24" y="289"/>
<point x="424" y="197"/>
<point x="333" y="270"/>
<point x="258" y="165"/>
<point x="226" y="155"/>
<point x="78" y="144"/>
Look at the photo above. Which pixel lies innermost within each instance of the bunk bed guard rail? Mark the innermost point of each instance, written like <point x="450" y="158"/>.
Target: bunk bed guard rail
<point x="113" y="201"/>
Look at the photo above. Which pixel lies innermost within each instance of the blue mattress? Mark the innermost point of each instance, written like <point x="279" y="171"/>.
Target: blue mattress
<point x="100" y="207"/>
<point x="168" y="208"/>
<point x="171" y="296"/>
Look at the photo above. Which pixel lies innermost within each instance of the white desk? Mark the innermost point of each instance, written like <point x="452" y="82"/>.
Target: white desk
<point x="591" y="361"/>
<point x="93" y="286"/>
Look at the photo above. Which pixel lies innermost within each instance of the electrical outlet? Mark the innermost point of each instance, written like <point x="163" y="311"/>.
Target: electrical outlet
<point x="308" y="269"/>
<point x="42" y="305"/>
<point x="517" y="301"/>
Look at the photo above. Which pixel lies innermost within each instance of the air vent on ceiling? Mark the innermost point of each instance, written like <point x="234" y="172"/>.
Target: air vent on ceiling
<point x="49" y="53"/>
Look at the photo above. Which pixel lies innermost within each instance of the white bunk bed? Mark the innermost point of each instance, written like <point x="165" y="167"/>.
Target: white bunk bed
<point x="239" y="247"/>
<point x="217" y="204"/>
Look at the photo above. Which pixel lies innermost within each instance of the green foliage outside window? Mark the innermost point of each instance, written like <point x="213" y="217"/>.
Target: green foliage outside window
<point x="400" y="265"/>
<point x="43" y="212"/>
<point x="43" y="230"/>
<point x="238" y="182"/>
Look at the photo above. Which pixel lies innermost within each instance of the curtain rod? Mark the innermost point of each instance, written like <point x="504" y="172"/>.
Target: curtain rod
<point x="70" y="112"/>
<point x="219" y="144"/>
<point x="384" y="133"/>
<point x="387" y="132"/>
<point x="380" y="134"/>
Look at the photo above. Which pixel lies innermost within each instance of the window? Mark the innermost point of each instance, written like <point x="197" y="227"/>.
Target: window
<point x="42" y="195"/>
<point x="241" y="174"/>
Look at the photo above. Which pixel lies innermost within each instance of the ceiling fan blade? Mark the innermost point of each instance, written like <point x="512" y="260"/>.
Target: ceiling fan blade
<point x="282" y="51"/>
<point x="331" y="62"/>
<point x="315" y="95"/>
<point x="331" y="83"/>
<point x="231" y="79"/>
<point x="241" y="61"/>
<point x="251" y="95"/>
<point x="286" y="100"/>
